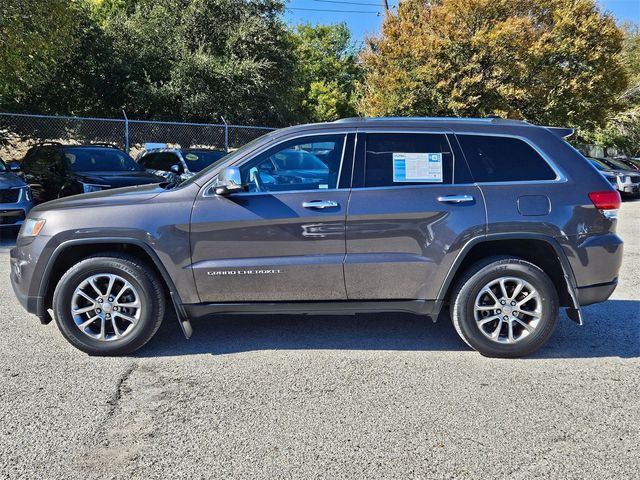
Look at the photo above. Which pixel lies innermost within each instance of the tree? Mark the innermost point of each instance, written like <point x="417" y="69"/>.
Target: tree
<point x="34" y="36"/>
<point x="328" y="69"/>
<point x="552" y="62"/>
<point x="204" y="59"/>
<point x="189" y="59"/>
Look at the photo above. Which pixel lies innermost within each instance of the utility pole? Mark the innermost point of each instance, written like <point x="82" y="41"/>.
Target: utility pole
<point x="385" y="4"/>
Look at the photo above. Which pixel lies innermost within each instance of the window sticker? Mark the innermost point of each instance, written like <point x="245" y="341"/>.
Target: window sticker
<point x="417" y="167"/>
<point x="191" y="156"/>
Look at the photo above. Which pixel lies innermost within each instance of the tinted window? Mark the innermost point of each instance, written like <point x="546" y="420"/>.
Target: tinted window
<point x="38" y="160"/>
<point x="503" y="159"/>
<point x="99" y="160"/>
<point x="309" y="163"/>
<point x="163" y="161"/>
<point x="197" y="160"/>
<point x="3" y="167"/>
<point x="407" y="159"/>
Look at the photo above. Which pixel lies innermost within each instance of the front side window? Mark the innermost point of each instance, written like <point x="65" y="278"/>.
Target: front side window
<point x="308" y="163"/>
<point x="396" y="159"/>
<point x="503" y="159"/>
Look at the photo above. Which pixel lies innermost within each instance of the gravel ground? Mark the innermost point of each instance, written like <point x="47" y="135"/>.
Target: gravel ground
<point x="376" y="396"/>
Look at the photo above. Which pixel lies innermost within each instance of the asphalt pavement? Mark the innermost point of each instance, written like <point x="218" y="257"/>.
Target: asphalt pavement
<point x="372" y="396"/>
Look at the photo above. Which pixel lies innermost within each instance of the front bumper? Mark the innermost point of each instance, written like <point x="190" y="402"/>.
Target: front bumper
<point x="26" y="273"/>
<point x="629" y="188"/>
<point x="12" y="215"/>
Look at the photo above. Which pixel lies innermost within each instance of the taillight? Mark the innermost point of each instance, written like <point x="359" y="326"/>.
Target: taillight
<point x="607" y="202"/>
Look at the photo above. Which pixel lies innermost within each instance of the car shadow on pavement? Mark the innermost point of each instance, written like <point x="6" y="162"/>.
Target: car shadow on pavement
<point x="611" y="329"/>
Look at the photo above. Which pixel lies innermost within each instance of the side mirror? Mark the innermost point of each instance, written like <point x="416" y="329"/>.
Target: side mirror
<point x="229" y="181"/>
<point x="177" y="169"/>
<point x="14" y="167"/>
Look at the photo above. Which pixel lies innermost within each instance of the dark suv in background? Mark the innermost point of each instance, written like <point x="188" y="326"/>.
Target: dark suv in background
<point x="53" y="170"/>
<point x="497" y="221"/>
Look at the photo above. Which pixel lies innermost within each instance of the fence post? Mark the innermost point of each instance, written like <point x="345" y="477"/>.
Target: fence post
<point x="226" y="135"/>
<point x="126" y="132"/>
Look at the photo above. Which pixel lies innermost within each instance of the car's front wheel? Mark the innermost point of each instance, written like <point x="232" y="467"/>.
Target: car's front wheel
<point x="505" y="307"/>
<point x="109" y="304"/>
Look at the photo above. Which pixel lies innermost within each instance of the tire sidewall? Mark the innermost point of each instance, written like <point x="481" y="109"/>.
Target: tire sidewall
<point x="67" y="325"/>
<point x="465" y="304"/>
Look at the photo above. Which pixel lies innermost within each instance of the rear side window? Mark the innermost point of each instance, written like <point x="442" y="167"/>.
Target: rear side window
<point x="407" y="159"/>
<point x="503" y="159"/>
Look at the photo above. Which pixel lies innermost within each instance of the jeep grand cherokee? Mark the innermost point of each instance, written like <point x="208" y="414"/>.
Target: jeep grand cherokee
<point x="499" y="221"/>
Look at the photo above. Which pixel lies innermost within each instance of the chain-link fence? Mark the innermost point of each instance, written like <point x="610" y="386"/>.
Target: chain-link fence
<point x="18" y="132"/>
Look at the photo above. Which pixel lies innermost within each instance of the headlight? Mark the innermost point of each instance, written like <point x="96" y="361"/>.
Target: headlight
<point x="90" y="187"/>
<point x="25" y="192"/>
<point x="32" y="227"/>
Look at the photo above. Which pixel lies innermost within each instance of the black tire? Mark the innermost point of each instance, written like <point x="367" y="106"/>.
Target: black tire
<point x="468" y="288"/>
<point x="140" y="276"/>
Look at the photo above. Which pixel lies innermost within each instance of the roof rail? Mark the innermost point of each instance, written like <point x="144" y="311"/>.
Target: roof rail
<point x="42" y="144"/>
<point x="101" y="144"/>
<point x="487" y="120"/>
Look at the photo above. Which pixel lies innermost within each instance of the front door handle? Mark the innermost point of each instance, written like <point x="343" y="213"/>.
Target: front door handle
<point x="456" y="199"/>
<point x="320" y="204"/>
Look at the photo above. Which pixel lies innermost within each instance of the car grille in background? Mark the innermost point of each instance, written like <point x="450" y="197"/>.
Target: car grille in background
<point x="9" y="195"/>
<point x="634" y="179"/>
<point x="11" y="217"/>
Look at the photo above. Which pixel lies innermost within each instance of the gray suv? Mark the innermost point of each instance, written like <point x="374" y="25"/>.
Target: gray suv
<point x="15" y="197"/>
<point x="498" y="221"/>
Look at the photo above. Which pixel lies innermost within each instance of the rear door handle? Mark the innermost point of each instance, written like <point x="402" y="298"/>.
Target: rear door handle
<point x="456" y="199"/>
<point x="320" y="204"/>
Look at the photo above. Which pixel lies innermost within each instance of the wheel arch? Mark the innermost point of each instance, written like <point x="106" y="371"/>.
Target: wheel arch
<point x="72" y="251"/>
<point x="538" y="249"/>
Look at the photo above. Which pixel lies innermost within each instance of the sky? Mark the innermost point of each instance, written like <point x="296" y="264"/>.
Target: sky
<point x="364" y="17"/>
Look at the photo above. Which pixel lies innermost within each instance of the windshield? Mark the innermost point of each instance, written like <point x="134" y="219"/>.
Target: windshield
<point x="199" y="159"/>
<point x="99" y="160"/>
<point x="597" y="164"/>
<point x="617" y="164"/>
<point x="240" y="151"/>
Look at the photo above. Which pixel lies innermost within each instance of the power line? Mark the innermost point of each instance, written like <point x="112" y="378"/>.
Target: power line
<point x="334" y="11"/>
<point x="348" y="3"/>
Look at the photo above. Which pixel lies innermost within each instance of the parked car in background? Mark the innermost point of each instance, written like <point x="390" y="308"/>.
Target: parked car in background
<point x="54" y="170"/>
<point x="629" y="162"/>
<point x="15" y="197"/>
<point x="605" y="172"/>
<point x="626" y="181"/>
<point x="177" y="163"/>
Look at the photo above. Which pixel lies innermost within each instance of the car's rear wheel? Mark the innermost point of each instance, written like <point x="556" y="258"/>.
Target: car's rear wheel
<point x="505" y="307"/>
<point x="109" y="304"/>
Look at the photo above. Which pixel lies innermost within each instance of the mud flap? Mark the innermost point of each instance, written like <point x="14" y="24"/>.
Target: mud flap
<point x="183" y="319"/>
<point x="574" y="313"/>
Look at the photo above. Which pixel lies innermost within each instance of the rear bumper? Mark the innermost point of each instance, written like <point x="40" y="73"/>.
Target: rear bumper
<point x="596" y="293"/>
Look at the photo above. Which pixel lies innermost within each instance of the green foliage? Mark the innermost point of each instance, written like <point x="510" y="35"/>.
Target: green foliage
<point x="187" y="59"/>
<point x="622" y="130"/>
<point x="552" y="62"/>
<point x="327" y="72"/>
<point x="34" y="34"/>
